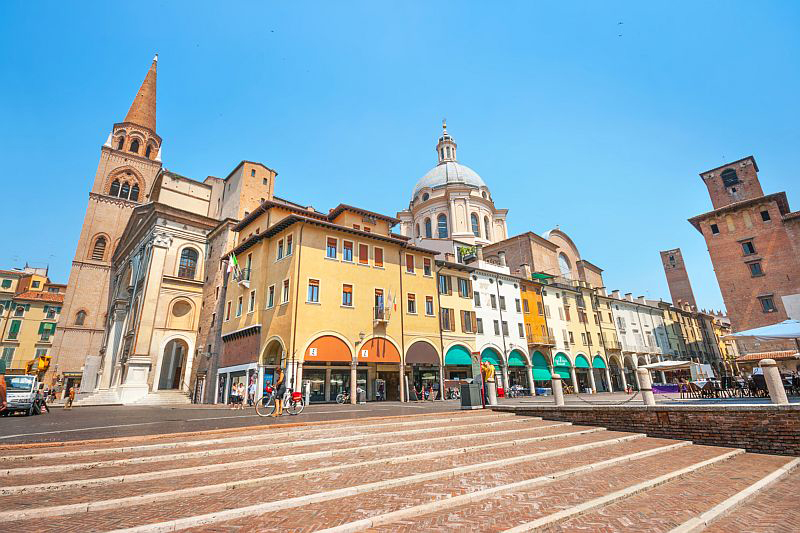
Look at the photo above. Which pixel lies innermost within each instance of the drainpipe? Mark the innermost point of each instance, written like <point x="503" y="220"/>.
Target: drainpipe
<point x="403" y="386"/>
<point x="441" y="334"/>
<point x="292" y="349"/>
<point x="502" y="334"/>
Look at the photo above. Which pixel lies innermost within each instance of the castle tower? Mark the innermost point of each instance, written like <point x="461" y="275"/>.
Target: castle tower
<point x="129" y="162"/>
<point x="677" y="278"/>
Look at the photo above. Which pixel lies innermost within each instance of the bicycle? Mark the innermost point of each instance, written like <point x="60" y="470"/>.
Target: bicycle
<point x="342" y="398"/>
<point x="292" y="403"/>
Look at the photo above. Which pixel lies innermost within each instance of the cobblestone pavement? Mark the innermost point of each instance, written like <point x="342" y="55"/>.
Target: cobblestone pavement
<point x="450" y="470"/>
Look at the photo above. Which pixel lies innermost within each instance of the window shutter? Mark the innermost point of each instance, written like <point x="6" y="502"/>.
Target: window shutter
<point x="27" y="307"/>
<point x="463" y="322"/>
<point x="474" y="321"/>
<point x="449" y="285"/>
<point x="469" y="288"/>
<point x="15" y="324"/>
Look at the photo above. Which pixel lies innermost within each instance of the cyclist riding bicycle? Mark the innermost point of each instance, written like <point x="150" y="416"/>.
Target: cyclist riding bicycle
<point x="280" y="390"/>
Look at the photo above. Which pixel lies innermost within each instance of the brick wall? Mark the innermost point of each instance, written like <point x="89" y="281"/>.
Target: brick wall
<point x="758" y="428"/>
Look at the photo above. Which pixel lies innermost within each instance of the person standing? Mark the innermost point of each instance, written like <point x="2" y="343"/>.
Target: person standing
<point x="280" y="390"/>
<point x="251" y="393"/>
<point x="70" y="398"/>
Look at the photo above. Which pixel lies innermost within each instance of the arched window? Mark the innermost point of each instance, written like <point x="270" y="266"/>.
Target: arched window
<point x="114" y="188"/>
<point x="428" y="229"/>
<point x="80" y="318"/>
<point x="135" y="192"/>
<point x="729" y="177"/>
<point x="418" y="234"/>
<point x="135" y="146"/>
<point x="120" y="143"/>
<point x="125" y="191"/>
<point x="188" y="264"/>
<point x="564" y="265"/>
<point x="147" y="152"/>
<point x="476" y="226"/>
<point x="441" y="226"/>
<point x="487" y="229"/>
<point x="99" y="249"/>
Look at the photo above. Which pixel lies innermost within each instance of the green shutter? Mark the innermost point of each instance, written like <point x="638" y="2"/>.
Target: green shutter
<point x="15" y="325"/>
<point x="42" y="327"/>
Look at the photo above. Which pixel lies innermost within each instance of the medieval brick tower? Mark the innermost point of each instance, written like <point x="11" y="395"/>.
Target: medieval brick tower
<point x="680" y="289"/>
<point x="129" y="162"/>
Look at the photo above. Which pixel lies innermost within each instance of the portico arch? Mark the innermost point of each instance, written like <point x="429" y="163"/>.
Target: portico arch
<point x="173" y="364"/>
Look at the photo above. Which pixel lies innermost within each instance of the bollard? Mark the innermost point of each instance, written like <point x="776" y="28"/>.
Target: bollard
<point x="558" y="392"/>
<point x="646" y="386"/>
<point x="774" y="382"/>
<point x="491" y="393"/>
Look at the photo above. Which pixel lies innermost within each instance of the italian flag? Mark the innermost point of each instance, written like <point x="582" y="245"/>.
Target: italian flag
<point x="233" y="265"/>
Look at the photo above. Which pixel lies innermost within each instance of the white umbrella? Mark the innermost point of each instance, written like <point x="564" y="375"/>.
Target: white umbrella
<point x="788" y="329"/>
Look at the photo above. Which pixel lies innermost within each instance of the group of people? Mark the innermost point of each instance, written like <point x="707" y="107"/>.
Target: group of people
<point x="240" y="392"/>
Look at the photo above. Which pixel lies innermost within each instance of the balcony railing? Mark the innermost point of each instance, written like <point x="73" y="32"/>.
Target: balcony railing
<point x="612" y="345"/>
<point x="381" y="314"/>
<point x="541" y="340"/>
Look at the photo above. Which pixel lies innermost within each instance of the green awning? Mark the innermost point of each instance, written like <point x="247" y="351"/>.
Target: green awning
<point x="598" y="362"/>
<point x="581" y="362"/>
<point x="491" y="356"/>
<point x="541" y="372"/>
<point x="458" y="355"/>
<point x="562" y="371"/>
<point x="516" y="359"/>
<point x="541" y="275"/>
<point x="561" y="360"/>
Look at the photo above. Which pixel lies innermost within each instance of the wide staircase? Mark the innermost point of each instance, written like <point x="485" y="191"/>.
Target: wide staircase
<point x="106" y="397"/>
<point x="165" y="397"/>
<point x="454" y="471"/>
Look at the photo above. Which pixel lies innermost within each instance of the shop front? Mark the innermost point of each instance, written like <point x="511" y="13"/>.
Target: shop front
<point x="563" y="367"/>
<point x="517" y="370"/>
<point x="422" y="369"/>
<point x="327" y="368"/>
<point x="381" y="359"/>
<point x="458" y="363"/>
<point x="600" y="374"/>
<point x="582" y="370"/>
<point x="229" y="378"/>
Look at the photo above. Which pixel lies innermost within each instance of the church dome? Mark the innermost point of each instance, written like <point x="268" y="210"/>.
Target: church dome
<point x="449" y="172"/>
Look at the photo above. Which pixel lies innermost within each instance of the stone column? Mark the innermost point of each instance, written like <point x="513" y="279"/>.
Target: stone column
<point x="441" y="381"/>
<point x="592" y="383"/>
<point x="663" y="377"/>
<point x="491" y="392"/>
<point x="622" y="375"/>
<point x="353" y="385"/>
<point x="402" y="380"/>
<point x="558" y="391"/>
<point x="608" y="380"/>
<point x="529" y="368"/>
<point x="645" y="386"/>
<point x="774" y="383"/>
<point x="298" y="381"/>
<point x="574" y="379"/>
<point x="504" y="368"/>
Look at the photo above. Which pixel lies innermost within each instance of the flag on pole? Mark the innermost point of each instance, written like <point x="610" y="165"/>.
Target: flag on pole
<point x="233" y="266"/>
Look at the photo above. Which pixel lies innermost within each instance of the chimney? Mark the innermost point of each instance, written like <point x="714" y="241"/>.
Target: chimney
<point x="479" y="253"/>
<point x="629" y="296"/>
<point x="601" y="291"/>
<point x="526" y="270"/>
<point x="641" y="300"/>
<point x="615" y="295"/>
<point x="450" y="258"/>
<point x="502" y="257"/>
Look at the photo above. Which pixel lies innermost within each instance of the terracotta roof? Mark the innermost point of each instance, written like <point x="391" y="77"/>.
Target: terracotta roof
<point x="779" y="355"/>
<point x="40" y="297"/>
<point x="143" y="108"/>
<point x="336" y="211"/>
<point x="14" y="272"/>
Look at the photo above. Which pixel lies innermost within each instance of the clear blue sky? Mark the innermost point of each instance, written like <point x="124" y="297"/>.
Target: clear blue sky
<point x="572" y="118"/>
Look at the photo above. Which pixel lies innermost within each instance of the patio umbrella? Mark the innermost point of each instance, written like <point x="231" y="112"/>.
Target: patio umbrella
<point x="788" y="329"/>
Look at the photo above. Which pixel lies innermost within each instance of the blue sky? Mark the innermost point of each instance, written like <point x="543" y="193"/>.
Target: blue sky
<point x="572" y="118"/>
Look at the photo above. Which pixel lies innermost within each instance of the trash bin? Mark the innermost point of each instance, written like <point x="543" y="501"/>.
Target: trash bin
<point x="471" y="396"/>
<point x="361" y="396"/>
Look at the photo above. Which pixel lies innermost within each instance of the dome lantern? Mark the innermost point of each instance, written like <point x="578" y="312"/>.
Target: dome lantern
<point x="446" y="147"/>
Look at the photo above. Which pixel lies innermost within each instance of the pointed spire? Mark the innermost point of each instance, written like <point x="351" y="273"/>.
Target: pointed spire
<point x="446" y="147"/>
<point x="143" y="108"/>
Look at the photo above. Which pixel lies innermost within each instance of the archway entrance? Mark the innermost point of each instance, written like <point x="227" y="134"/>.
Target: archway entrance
<point x="582" y="370"/>
<point x="270" y="360"/>
<point x="172" y="364"/>
<point x="630" y="374"/>
<point x="599" y="370"/>
<point x="616" y="374"/>
<point x="423" y="362"/>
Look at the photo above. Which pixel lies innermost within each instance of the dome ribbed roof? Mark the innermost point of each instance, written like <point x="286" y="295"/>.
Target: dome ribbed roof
<point x="448" y="173"/>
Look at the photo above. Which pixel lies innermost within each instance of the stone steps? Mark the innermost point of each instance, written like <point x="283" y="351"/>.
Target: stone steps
<point x="465" y="471"/>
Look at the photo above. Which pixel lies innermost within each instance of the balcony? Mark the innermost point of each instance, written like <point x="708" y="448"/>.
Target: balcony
<point x="381" y="314"/>
<point x="541" y="340"/>
<point x="612" y="345"/>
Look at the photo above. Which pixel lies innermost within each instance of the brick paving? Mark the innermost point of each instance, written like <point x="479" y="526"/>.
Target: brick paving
<point x="658" y="509"/>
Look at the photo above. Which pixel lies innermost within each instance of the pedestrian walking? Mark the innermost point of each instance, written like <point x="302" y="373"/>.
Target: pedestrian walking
<point x="241" y="391"/>
<point x="280" y="390"/>
<point x="70" y="398"/>
<point x="251" y="393"/>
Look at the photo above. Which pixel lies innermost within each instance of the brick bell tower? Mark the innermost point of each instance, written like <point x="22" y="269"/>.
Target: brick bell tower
<point x="129" y="161"/>
<point x="680" y="289"/>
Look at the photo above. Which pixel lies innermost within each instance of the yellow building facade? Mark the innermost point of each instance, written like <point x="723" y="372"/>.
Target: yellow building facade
<point x="29" y="309"/>
<point x="336" y="299"/>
